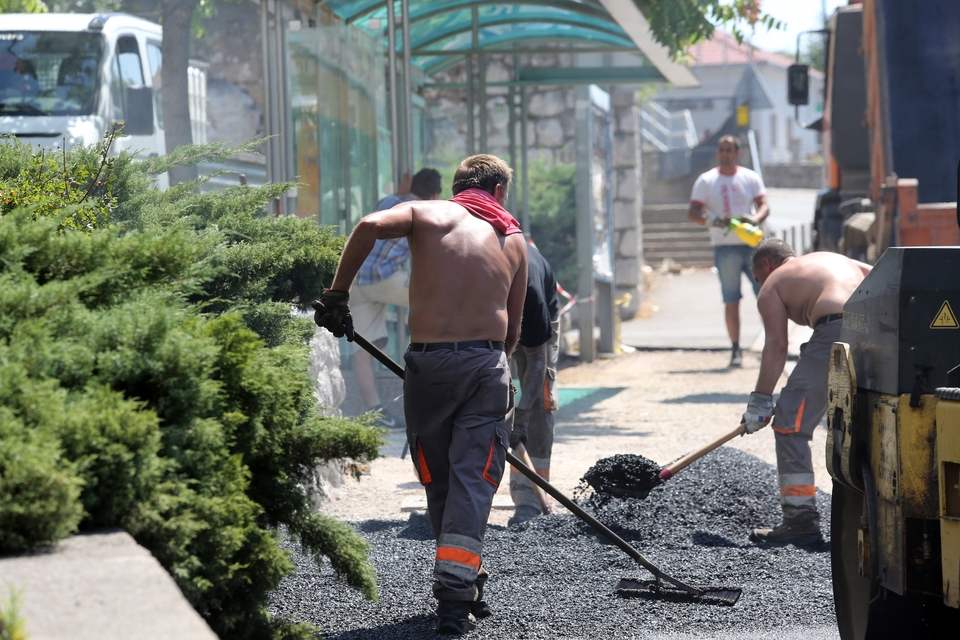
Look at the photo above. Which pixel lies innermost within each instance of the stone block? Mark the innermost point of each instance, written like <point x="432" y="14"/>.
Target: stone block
<point x="549" y="133"/>
<point x="547" y="104"/>
<point x="625" y="214"/>
<point x="628" y="243"/>
<point x="626" y="185"/>
<point x="626" y="120"/>
<point x="623" y="96"/>
<point x="99" y="586"/>
<point x="624" y="152"/>
<point x="628" y="272"/>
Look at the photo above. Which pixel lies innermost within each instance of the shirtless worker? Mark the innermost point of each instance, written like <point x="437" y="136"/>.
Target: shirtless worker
<point x="468" y="280"/>
<point x="810" y="290"/>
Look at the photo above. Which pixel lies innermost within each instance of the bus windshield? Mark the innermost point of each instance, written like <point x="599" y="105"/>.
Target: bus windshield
<point x="49" y="73"/>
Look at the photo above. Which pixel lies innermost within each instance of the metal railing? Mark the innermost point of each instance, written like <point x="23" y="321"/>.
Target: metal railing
<point x="799" y="237"/>
<point x="667" y="130"/>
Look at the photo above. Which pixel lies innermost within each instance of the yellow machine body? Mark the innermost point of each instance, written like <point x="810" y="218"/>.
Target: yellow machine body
<point x="948" y="470"/>
<point x="905" y="459"/>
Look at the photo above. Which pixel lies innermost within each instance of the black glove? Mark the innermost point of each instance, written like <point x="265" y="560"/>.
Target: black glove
<point x="333" y="314"/>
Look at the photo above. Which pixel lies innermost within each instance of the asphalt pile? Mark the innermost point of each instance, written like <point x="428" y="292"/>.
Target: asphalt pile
<point x="623" y="475"/>
<point x="551" y="577"/>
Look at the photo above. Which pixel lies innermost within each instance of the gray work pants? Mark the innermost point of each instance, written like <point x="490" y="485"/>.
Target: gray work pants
<point x="800" y="407"/>
<point x="537" y="369"/>
<point x="456" y="403"/>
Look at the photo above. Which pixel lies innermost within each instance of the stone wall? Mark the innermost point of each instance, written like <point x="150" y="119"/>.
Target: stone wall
<point x="550" y="114"/>
<point x="628" y="201"/>
<point x="235" y="94"/>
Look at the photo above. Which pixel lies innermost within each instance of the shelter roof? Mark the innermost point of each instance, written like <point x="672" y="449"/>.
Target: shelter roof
<point x="439" y="29"/>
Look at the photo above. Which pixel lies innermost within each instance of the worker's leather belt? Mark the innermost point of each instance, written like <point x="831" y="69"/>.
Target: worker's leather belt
<point x="830" y="317"/>
<point x="493" y="345"/>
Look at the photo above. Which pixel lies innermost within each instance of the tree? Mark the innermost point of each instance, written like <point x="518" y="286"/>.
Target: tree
<point x="678" y="24"/>
<point x="22" y="6"/>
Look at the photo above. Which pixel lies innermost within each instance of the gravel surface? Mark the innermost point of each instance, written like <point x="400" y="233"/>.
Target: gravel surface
<point x="552" y="578"/>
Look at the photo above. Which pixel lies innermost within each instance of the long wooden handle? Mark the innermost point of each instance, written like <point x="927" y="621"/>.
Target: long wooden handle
<point x="673" y="469"/>
<point x="532" y="476"/>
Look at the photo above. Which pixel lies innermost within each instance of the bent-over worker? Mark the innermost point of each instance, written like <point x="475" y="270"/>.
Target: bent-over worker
<point x="810" y="290"/>
<point x="468" y="279"/>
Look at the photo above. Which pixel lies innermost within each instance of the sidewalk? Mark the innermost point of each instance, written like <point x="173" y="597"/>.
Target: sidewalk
<point x="688" y="314"/>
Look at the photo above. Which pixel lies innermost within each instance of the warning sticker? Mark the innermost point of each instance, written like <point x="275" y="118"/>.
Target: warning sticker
<point x="945" y="318"/>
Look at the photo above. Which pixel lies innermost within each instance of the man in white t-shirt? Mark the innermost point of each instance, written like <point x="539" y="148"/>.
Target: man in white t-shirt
<point x="719" y="195"/>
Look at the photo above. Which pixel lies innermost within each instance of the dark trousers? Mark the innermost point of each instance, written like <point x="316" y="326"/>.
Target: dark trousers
<point x="456" y="403"/>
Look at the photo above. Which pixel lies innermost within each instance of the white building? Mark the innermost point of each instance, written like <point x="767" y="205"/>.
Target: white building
<point x="731" y="73"/>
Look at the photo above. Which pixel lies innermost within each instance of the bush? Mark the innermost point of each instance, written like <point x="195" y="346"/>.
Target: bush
<point x="153" y="377"/>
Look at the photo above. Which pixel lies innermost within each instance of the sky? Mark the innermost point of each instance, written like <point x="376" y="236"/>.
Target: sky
<point x="799" y="15"/>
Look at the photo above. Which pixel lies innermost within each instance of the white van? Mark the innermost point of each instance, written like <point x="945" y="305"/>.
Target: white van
<point x="68" y="78"/>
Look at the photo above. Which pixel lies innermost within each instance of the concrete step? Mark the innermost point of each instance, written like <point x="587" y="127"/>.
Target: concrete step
<point x="99" y="586"/>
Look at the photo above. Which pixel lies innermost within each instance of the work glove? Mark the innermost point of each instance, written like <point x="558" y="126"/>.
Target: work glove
<point x="759" y="412"/>
<point x="333" y="314"/>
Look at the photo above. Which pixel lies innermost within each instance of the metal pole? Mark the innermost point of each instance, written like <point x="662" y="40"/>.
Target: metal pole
<point x="407" y="106"/>
<point x="471" y="97"/>
<point x="585" y="226"/>
<point x="392" y="82"/>
<point x="524" y="162"/>
<point x="267" y="66"/>
<point x="482" y="82"/>
<point x="469" y="78"/>
<point x="512" y="145"/>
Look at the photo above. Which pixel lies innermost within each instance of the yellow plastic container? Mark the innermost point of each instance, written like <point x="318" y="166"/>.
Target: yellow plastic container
<point x="749" y="233"/>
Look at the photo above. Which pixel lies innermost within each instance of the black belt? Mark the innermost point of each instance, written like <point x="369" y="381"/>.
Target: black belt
<point x="493" y="345"/>
<point x="830" y="317"/>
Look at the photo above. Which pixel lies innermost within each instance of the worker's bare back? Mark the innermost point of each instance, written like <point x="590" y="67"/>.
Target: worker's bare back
<point x="462" y="271"/>
<point x="815" y="285"/>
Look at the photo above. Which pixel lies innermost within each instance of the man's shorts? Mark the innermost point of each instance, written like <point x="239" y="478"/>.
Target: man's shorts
<point x="731" y="261"/>
<point x="368" y="304"/>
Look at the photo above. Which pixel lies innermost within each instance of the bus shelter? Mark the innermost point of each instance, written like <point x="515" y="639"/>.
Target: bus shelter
<point x="348" y="79"/>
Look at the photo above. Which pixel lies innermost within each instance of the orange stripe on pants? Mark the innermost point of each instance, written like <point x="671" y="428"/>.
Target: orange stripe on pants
<point x="425" y="477"/>
<point x="799" y="490"/>
<point x="459" y="556"/>
<point x="798" y="421"/>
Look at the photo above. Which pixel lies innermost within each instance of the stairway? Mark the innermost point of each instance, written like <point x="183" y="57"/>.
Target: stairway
<point x="667" y="233"/>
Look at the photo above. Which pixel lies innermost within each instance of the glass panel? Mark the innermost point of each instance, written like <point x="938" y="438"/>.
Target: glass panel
<point x="49" y="73"/>
<point x="128" y="61"/>
<point x="338" y="99"/>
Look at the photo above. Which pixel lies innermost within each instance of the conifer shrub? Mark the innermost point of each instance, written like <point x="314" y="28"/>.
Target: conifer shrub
<point x="153" y="377"/>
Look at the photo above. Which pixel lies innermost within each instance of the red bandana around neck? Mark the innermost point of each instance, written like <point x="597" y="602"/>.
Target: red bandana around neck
<point x="482" y="205"/>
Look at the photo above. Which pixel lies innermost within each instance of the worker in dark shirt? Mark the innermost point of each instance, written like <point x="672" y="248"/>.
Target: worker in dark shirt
<point x="535" y="360"/>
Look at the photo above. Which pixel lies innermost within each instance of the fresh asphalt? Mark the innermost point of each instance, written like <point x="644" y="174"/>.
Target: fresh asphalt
<point x="553" y="578"/>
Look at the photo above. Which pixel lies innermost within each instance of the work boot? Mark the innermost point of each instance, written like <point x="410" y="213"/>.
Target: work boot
<point x="479" y="608"/>
<point x="454" y="617"/>
<point x="800" y="529"/>
<point x="736" y="357"/>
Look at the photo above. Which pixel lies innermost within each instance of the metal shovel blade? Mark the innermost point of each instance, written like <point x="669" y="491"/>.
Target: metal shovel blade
<point x="655" y="590"/>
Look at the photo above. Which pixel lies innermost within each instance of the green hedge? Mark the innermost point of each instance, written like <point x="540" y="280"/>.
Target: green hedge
<point x="152" y="377"/>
